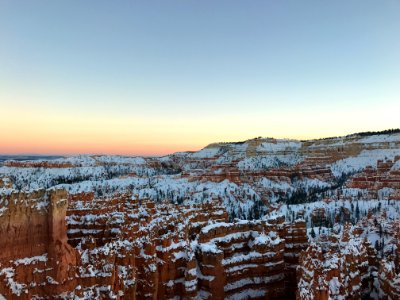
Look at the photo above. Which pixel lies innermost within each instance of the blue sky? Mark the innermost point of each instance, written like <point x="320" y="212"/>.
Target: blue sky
<point x="181" y="74"/>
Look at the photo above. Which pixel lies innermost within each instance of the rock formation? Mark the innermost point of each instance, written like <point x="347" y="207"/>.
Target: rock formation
<point x="35" y="258"/>
<point x="226" y="222"/>
<point x="343" y="265"/>
<point x="134" y="249"/>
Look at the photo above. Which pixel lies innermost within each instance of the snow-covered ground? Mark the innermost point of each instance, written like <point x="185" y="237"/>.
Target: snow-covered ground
<point x="161" y="179"/>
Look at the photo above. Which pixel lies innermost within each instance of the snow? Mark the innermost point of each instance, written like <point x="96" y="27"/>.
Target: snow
<point x="246" y="257"/>
<point x="16" y="288"/>
<point x="251" y="281"/>
<point x="365" y="158"/>
<point x="106" y="175"/>
<point x="247" y="294"/>
<point x="396" y="166"/>
<point x="206" y="153"/>
<point x="2" y="210"/>
<point x="280" y="145"/>
<point x="121" y="159"/>
<point x="209" y="247"/>
<point x="31" y="260"/>
<point x="278" y="185"/>
<point x="384" y="138"/>
<point x="204" y="294"/>
<point x="214" y="226"/>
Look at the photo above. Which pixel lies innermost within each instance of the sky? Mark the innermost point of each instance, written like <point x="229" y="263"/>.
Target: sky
<point x="155" y="77"/>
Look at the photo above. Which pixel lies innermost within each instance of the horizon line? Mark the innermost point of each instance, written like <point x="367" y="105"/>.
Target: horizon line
<point x="386" y="131"/>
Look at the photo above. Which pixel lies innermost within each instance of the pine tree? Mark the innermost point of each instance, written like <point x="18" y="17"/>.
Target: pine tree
<point x="357" y="212"/>
<point x="377" y="245"/>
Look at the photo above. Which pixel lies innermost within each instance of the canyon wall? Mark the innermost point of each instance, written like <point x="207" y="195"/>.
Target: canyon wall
<point x="35" y="253"/>
<point x="133" y="249"/>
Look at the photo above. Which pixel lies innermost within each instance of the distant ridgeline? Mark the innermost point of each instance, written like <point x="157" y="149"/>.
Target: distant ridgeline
<point x="364" y="134"/>
<point x="360" y="134"/>
<point x="368" y="133"/>
<point x="3" y="158"/>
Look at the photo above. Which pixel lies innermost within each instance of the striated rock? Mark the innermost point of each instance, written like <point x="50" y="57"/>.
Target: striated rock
<point x="389" y="280"/>
<point x="372" y="180"/>
<point x="134" y="249"/>
<point x="35" y="256"/>
<point x="343" y="265"/>
<point x="239" y="259"/>
<point x="37" y="164"/>
<point x="318" y="216"/>
<point x="295" y="235"/>
<point x="334" y="271"/>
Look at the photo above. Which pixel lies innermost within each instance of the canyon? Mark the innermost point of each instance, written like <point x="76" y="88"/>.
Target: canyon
<point x="259" y="219"/>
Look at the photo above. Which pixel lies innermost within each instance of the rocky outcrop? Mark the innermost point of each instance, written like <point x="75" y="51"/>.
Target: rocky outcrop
<point x="238" y="259"/>
<point x="257" y="259"/>
<point x="334" y="269"/>
<point x="389" y="280"/>
<point x="389" y="268"/>
<point x="35" y="256"/>
<point x="5" y="182"/>
<point x="37" y="164"/>
<point x="372" y="180"/>
<point x="343" y="264"/>
<point x="318" y="216"/>
<point x="155" y="240"/>
<point x="216" y="173"/>
<point x="296" y="241"/>
<point x="134" y="249"/>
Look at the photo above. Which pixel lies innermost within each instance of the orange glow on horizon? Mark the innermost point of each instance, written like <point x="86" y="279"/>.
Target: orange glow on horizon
<point x="41" y="130"/>
<point x="60" y="149"/>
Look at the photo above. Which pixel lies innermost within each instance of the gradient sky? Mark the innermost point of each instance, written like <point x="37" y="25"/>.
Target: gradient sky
<point x="154" y="77"/>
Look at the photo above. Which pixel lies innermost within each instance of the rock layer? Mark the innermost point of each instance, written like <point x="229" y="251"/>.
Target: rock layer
<point x="133" y="249"/>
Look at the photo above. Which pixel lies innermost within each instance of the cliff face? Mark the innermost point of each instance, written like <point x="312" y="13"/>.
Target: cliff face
<point x="386" y="175"/>
<point x="134" y="249"/>
<point x="296" y="241"/>
<point x="257" y="258"/>
<point x="238" y="259"/>
<point x="34" y="244"/>
<point x="149" y="247"/>
<point x="32" y="223"/>
<point x="176" y="252"/>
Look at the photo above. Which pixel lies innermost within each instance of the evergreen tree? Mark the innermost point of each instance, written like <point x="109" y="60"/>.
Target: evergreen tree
<point x="377" y="245"/>
<point x="357" y="212"/>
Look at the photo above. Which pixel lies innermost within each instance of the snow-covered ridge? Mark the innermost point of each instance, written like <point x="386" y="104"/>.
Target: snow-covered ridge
<point x="365" y="158"/>
<point x="244" y="176"/>
<point x="279" y="145"/>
